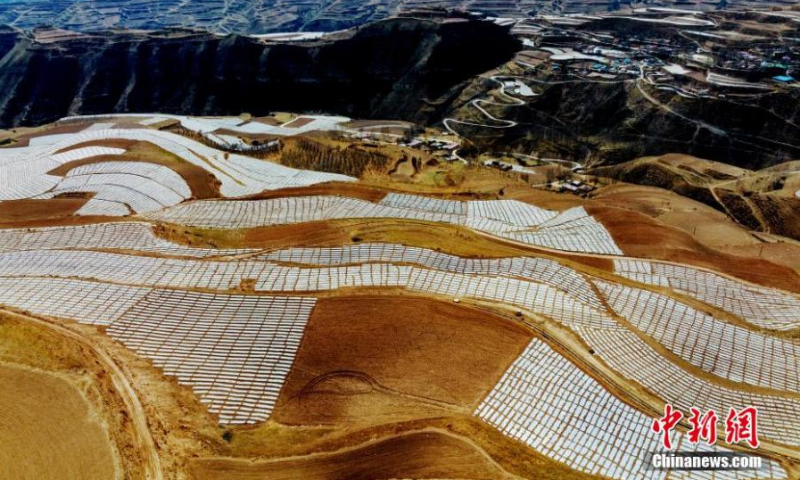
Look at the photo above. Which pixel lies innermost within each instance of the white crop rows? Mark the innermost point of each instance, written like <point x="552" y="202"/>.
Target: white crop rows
<point x="509" y="212"/>
<point x="119" y="186"/>
<point x="760" y="306"/>
<point x="537" y="285"/>
<point x="108" y="199"/>
<point x="87" y="302"/>
<point x="281" y="211"/>
<point x="95" y="303"/>
<point x="522" y="294"/>
<point x="714" y="346"/>
<point x="288" y="279"/>
<point x="114" y="236"/>
<point x="536" y="269"/>
<point x="235" y="351"/>
<point x="131" y="270"/>
<point x="23" y="170"/>
<point x="425" y="204"/>
<point x="572" y="230"/>
<point x="628" y="354"/>
<point x="239" y="175"/>
<point x="546" y="402"/>
<point x="207" y="125"/>
<point x="557" y="301"/>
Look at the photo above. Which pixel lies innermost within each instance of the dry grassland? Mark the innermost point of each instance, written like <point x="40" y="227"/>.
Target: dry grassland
<point x="60" y="416"/>
<point x="270" y="441"/>
<point x="48" y="430"/>
<point x="419" y="455"/>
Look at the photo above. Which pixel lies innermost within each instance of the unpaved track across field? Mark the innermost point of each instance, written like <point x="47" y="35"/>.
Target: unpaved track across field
<point x="141" y="431"/>
<point x="409" y="454"/>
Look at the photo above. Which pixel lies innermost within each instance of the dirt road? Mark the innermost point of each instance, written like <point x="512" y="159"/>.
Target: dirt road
<point x="141" y="431"/>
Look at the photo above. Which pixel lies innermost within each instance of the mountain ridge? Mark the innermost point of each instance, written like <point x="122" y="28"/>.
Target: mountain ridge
<point x="400" y="68"/>
<point x="252" y="17"/>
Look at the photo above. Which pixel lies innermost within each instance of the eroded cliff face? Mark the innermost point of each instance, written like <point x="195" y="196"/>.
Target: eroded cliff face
<point x="8" y="39"/>
<point x="400" y="68"/>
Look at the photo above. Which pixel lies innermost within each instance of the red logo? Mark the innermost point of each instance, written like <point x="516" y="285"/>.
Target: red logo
<point x="665" y="424"/>
<point x="704" y="427"/>
<point x="739" y="426"/>
<point x="742" y="426"/>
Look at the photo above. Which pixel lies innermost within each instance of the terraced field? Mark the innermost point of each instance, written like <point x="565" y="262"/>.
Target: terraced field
<point x="345" y="331"/>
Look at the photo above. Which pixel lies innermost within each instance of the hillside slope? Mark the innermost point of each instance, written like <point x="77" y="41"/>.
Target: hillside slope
<point x="763" y="200"/>
<point x="402" y="68"/>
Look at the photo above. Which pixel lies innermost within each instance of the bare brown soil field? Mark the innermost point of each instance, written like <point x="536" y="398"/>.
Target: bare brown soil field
<point x="359" y="352"/>
<point x="706" y="224"/>
<point x="62" y="222"/>
<point x="341" y="189"/>
<point x="299" y="122"/>
<point x="762" y="200"/>
<point x="179" y="424"/>
<point x="374" y="192"/>
<point x="271" y="121"/>
<point x="422" y="455"/>
<point x="782" y="253"/>
<point x="248" y="137"/>
<point x="640" y="236"/>
<point x="110" y="143"/>
<point x="701" y="166"/>
<point x="49" y="430"/>
<point x="376" y="123"/>
<point x="202" y="183"/>
<point x="542" y="198"/>
<point x="47" y="213"/>
<point x="38" y="211"/>
<point x="532" y="56"/>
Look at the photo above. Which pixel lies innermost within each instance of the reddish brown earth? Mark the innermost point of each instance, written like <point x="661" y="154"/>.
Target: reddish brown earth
<point x="342" y="189"/>
<point x="377" y="359"/>
<point x="640" y="236"/>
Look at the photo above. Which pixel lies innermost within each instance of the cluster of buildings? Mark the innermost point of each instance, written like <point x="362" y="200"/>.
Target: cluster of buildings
<point x="443" y="149"/>
<point x="576" y="187"/>
<point x="693" y="62"/>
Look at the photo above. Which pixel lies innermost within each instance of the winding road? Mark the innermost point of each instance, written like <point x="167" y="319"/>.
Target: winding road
<point x="515" y="102"/>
